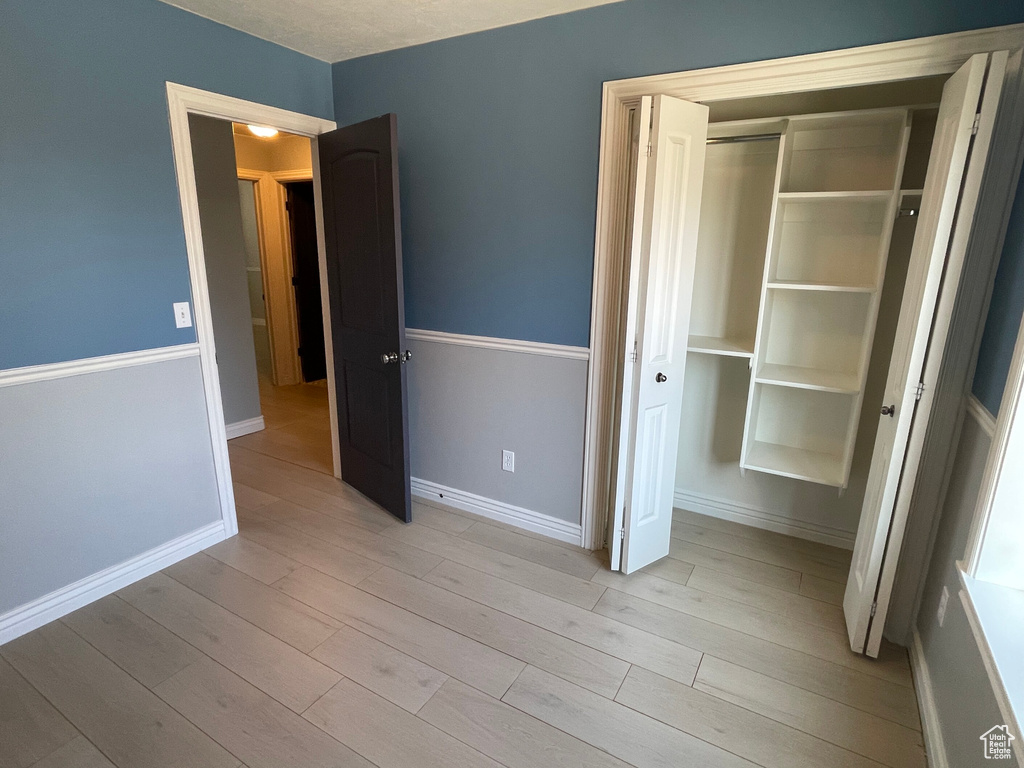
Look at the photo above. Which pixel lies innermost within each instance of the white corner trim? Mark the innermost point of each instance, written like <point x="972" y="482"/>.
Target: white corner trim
<point x="982" y="415"/>
<point x="506" y="345"/>
<point x="246" y="427"/>
<point x="492" y="509"/>
<point x="756" y="517"/>
<point x="50" y="607"/>
<point x="931" y="725"/>
<point x="32" y="373"/>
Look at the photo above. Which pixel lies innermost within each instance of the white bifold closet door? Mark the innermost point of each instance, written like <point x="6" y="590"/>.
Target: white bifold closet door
<point x="947" y="212"/>
<point x="666" y="212"/>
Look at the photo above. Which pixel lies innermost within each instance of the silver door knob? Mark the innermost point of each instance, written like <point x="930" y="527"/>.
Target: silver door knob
<point x="406" y="356"/>
<point x="661" y="377"/>
<point x="389" y="358"/>
<point x="888" y="410"/>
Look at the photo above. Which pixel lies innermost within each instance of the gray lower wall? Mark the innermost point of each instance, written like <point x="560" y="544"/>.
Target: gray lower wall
<point x="99" y="468"/>
<point x="220" y="214"/>
<point x="467" y="404"/>
<point x="964" y="700"/>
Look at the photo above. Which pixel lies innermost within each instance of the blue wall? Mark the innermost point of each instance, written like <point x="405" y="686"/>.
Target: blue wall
<point x="92" y="249"/>
<point x="498" y="136"/>
<point x="1004" y="315"/>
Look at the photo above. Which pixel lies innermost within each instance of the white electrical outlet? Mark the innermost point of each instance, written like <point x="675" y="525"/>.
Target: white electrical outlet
<point x="942" y="605"/>
<point x="182" y="315"/>
<point x="508" y="461"/>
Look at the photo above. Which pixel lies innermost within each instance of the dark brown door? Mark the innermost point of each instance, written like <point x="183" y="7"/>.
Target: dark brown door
<point x="362" y="228"/>
<point x="306" y="280"/>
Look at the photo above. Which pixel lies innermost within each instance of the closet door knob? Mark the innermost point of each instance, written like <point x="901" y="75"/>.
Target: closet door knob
<point x="888" y="410"/>
<point x="661" y="377"/>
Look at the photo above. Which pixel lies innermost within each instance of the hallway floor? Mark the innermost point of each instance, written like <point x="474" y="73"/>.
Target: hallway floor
<point x="327" y="634"/>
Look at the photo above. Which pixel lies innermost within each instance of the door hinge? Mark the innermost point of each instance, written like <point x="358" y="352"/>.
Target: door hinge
<point x="633" y="355"/>
<point x="650" y="149"/>
<point x="874" y="607"/>
<point x="622" y="531"/>
<point x="919" y="391"/>
<point x="977" y="124"/>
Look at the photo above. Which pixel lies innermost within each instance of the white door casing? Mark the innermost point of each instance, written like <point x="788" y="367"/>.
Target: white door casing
<point x="663" y="255"/>
<point x="920" y="336"/>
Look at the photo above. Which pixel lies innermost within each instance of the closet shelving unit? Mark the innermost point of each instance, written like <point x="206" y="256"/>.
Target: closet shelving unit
<point x="835" y="199"/>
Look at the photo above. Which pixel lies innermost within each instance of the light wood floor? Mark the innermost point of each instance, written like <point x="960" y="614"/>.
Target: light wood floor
<point x="326" y="634"/>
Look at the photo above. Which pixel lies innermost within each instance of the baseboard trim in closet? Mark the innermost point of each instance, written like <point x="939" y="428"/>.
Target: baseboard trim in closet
<point x="492" y="509"/>
<point x="760" y="518"/>
<point x="246" y="427"/>
<point x="931" y="725"/>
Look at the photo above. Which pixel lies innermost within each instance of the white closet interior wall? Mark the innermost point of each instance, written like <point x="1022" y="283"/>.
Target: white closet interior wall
<point x="736" y="207"/>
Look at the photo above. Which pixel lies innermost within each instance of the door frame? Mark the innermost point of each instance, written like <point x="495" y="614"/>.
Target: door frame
<point x="183" y="100"/>
<point x="282" y="316"/>
<point x="867" y="65"/>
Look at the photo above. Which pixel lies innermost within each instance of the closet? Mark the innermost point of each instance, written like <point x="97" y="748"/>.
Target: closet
<point x="806" y="227"/>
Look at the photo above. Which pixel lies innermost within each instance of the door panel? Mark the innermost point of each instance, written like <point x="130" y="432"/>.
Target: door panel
<point x="920" y="335"/>
<point x="359" y="175"/>
<point x="663" y="256"/>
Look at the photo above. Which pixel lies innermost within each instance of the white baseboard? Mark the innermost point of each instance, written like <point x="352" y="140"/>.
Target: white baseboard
<point x="25" y="618"/>
<point x="931" y="726"/>
<point x="246" y="427"/>
<point x="760" y="518"/>
<point x="526" y="519"/>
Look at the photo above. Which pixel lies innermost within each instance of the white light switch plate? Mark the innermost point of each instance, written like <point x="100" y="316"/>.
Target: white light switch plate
<point x="943" y="602"/>
<point x="182" y="315"/>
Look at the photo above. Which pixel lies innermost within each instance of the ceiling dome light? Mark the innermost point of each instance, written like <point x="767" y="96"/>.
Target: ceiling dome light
<point x="262" y="131"/>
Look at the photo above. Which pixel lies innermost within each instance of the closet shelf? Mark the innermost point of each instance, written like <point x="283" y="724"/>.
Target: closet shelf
<point x="714" y="345"/>
<point x="798" y="285"/>
<point x="865" y="196"/>
<point x="808" y="378"/>
<point x="796" y="463"/>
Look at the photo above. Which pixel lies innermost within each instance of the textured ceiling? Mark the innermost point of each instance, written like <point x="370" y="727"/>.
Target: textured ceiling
<point x="333" y="30"/>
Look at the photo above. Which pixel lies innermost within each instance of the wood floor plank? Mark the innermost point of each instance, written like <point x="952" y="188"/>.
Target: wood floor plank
<point x="253" y="559"/>
<point x="30" y="728"/>
<point x="575" y="562"/>
<point x="881" y="740"/>
<point x="825" y="552"/>
<point x="860" y="690"/>
<point x="590" y="629"/>
<point x="502" y="732"/>
<point x="319" y="481"/>
<point x="137" y="644"/>
<point x="119" y="715"/>
<point x="539" y="578"/>
<point x="386" y="671"/>
<point x="386" y="734"/>
<point x="367" y="544"/>
<point x="286" y="489"/>
<point x="77" y="753"/>
<point x="766" y="552"/>
<point x="272" y="665"/>
<point x="443" y="649"/>
<point x="531" y="644"/>
<point x="341" y="503"/>
<point x="623" y="732"/>
<point x="748" y="734"/>
<point x="743" y="567"/>
<point x="269" y="609"/>
<point x="829" y="644"/>
<point x="822" y="589"/>
<point x="778" y="601"/>
<point x="667" y="568"/>
<point x="439" y="519"/>
<point x="250" y="498"/>
<point x="310" y="551"/>
<point x="261" y="731"/>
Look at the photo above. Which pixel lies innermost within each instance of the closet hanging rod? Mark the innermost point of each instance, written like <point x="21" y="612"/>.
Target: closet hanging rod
<point x="751" y="137"/>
